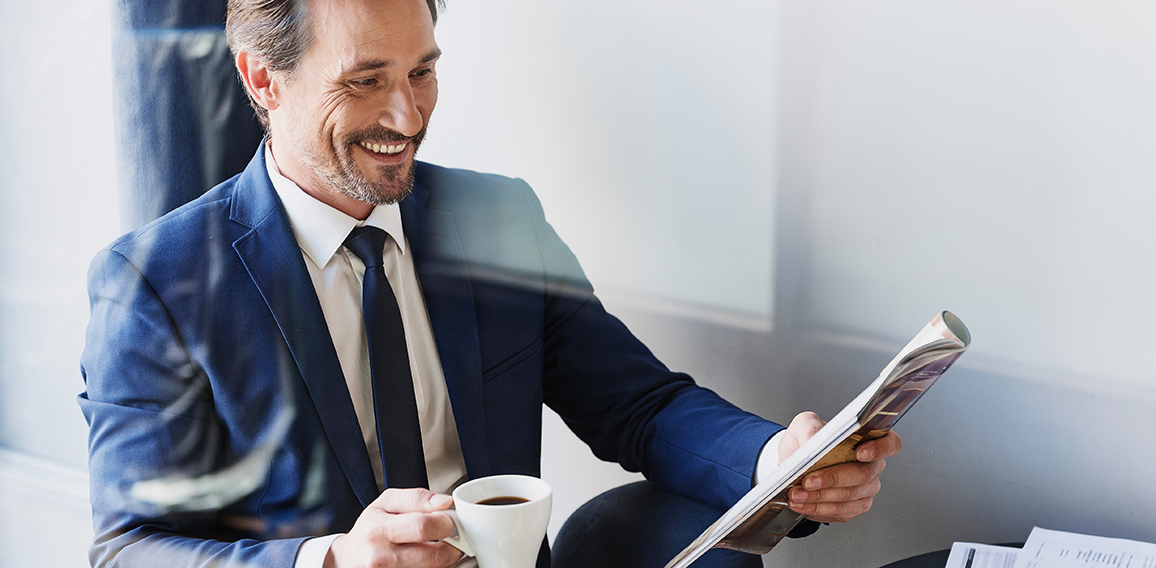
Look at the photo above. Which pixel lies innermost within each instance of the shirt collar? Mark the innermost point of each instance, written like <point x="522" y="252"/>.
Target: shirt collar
<point x="321" y="229"/>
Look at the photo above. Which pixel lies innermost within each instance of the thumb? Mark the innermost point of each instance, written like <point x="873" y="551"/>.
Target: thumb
<point x="415" y="500"/>
<point x="802" y="428"/>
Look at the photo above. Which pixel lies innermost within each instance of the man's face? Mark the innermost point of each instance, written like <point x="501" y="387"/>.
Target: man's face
<point x="355" y="109"/>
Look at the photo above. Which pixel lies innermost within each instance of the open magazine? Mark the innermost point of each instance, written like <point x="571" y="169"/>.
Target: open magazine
<point x="761" y="518"/>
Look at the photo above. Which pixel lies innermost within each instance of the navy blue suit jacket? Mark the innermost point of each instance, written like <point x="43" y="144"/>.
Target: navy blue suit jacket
<point x="221" y="429"/>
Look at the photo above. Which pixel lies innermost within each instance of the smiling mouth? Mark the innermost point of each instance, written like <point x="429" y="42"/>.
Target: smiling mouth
<point x="388" y="149"/>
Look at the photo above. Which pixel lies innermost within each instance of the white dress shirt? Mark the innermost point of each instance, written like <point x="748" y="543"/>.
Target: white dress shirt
<point x="337" y="273"/>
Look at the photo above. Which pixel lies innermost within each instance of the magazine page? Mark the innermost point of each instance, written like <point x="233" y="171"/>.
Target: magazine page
<point x="761" y="518"/>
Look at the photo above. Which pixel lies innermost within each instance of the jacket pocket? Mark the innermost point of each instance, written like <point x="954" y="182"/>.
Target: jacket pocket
<point x="512" y="361"/>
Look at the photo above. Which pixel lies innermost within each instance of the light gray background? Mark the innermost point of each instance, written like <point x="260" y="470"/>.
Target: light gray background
<point x="773" y="194"/>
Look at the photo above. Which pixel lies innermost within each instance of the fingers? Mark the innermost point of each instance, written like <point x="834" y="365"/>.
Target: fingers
<point x="850" y="474"/>
<point x="405" y="516"/>
<point x="402" y="527"/>
<point x="879" y="449"/>
<point x="346" y="554"/>
<point x="430" y="554"/>
<point x="838" y="493"/>
<point x="411" y="501"/>
<point x="840" y="512"/>
<point x="845" y="482"/>
<point x="416" y="528"/>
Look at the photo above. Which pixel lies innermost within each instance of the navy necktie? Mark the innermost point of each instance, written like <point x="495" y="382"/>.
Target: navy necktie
<point x="398" y="431"/>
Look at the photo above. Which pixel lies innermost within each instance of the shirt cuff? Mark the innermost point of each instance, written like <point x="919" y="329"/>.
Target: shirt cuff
<point x="768" y="457"/>
<point x="312" y="552"/>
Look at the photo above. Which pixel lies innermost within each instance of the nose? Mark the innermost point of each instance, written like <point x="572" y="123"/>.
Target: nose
<point x="400" y="112"/>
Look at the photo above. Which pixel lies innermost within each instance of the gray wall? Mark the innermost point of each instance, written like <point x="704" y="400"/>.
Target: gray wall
<point x="774" y="195"/>
<point x="622" y="116"/>
<point x="995" y="159"/>
<point x="58" y="206"/>
<point x="992" y="158"/>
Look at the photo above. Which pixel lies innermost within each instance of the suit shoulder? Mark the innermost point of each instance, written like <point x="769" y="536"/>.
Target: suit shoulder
<point x="202" y="220"/>
<point x="453" y="183"/>
<point x="434" y="176"/>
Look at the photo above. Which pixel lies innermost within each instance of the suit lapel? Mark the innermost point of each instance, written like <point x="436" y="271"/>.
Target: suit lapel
<point x="445" y="285"/>
<point x="273" y="258"/>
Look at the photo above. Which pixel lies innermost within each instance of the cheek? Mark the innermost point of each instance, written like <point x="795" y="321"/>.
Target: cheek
<point x="354" y="114"/>
<point x="330" y="114"/>
<point x="426" y="99"/>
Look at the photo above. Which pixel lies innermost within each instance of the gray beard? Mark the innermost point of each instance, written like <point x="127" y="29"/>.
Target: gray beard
<point x="341" y="172"/>
<point x="352" y="184"/>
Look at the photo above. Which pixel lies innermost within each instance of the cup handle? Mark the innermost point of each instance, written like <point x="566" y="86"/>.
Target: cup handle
<point x="459" y="540"/>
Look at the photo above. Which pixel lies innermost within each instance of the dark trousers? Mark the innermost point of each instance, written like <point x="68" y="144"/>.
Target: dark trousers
<point x="639" y="526"/>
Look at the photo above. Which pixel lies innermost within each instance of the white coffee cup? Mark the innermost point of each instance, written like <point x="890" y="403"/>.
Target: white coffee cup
<point x="501" y="535"/>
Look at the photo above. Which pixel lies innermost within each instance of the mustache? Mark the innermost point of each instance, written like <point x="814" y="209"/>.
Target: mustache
<point x="378" y="133"/>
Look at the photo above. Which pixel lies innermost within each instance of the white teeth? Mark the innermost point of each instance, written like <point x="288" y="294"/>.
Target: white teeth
<point x="384" y="148"/>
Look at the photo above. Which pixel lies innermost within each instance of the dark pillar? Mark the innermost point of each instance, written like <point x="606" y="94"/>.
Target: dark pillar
<point x="183" y="123"/>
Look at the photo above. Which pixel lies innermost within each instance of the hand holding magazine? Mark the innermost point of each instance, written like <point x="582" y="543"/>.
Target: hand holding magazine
<point x="761" y="518"/>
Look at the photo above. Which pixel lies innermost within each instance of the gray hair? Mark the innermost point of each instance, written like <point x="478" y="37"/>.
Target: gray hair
<point x="277" y="33"/>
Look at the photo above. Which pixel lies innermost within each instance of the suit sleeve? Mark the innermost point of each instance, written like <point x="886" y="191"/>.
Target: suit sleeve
<point x="629" y="408"/>
<point x="160" y="481"/>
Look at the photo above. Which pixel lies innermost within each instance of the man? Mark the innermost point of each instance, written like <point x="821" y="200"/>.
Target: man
<point x="233" y="388"/>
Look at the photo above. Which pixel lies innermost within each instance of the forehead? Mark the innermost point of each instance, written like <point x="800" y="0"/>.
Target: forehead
<point x="347" y="32"/>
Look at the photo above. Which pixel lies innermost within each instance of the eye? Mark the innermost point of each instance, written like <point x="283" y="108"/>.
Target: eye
<point x="423" y="73"/>
<point x="365" y="83"/>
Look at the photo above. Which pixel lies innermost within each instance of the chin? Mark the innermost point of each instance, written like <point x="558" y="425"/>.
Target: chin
<point x="397" y="186"/>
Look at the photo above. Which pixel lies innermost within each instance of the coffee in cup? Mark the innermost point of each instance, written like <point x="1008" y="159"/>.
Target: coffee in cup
<point x="501" y="520"/>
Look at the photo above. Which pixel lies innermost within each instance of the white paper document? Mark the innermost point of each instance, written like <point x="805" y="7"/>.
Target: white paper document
<point x="1054" y="549"/>
<point x="973" y="555"/>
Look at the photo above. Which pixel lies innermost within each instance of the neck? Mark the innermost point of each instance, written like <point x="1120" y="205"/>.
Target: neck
<point x="314" y="186"/>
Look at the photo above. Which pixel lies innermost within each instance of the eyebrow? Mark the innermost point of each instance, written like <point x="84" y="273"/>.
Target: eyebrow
<point x="374" y="64"/>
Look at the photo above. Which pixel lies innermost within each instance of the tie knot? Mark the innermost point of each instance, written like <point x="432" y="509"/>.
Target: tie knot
<point x="367" y="243"/>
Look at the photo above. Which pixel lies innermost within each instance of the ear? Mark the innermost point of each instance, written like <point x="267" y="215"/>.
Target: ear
<point x="258" y="80"/>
